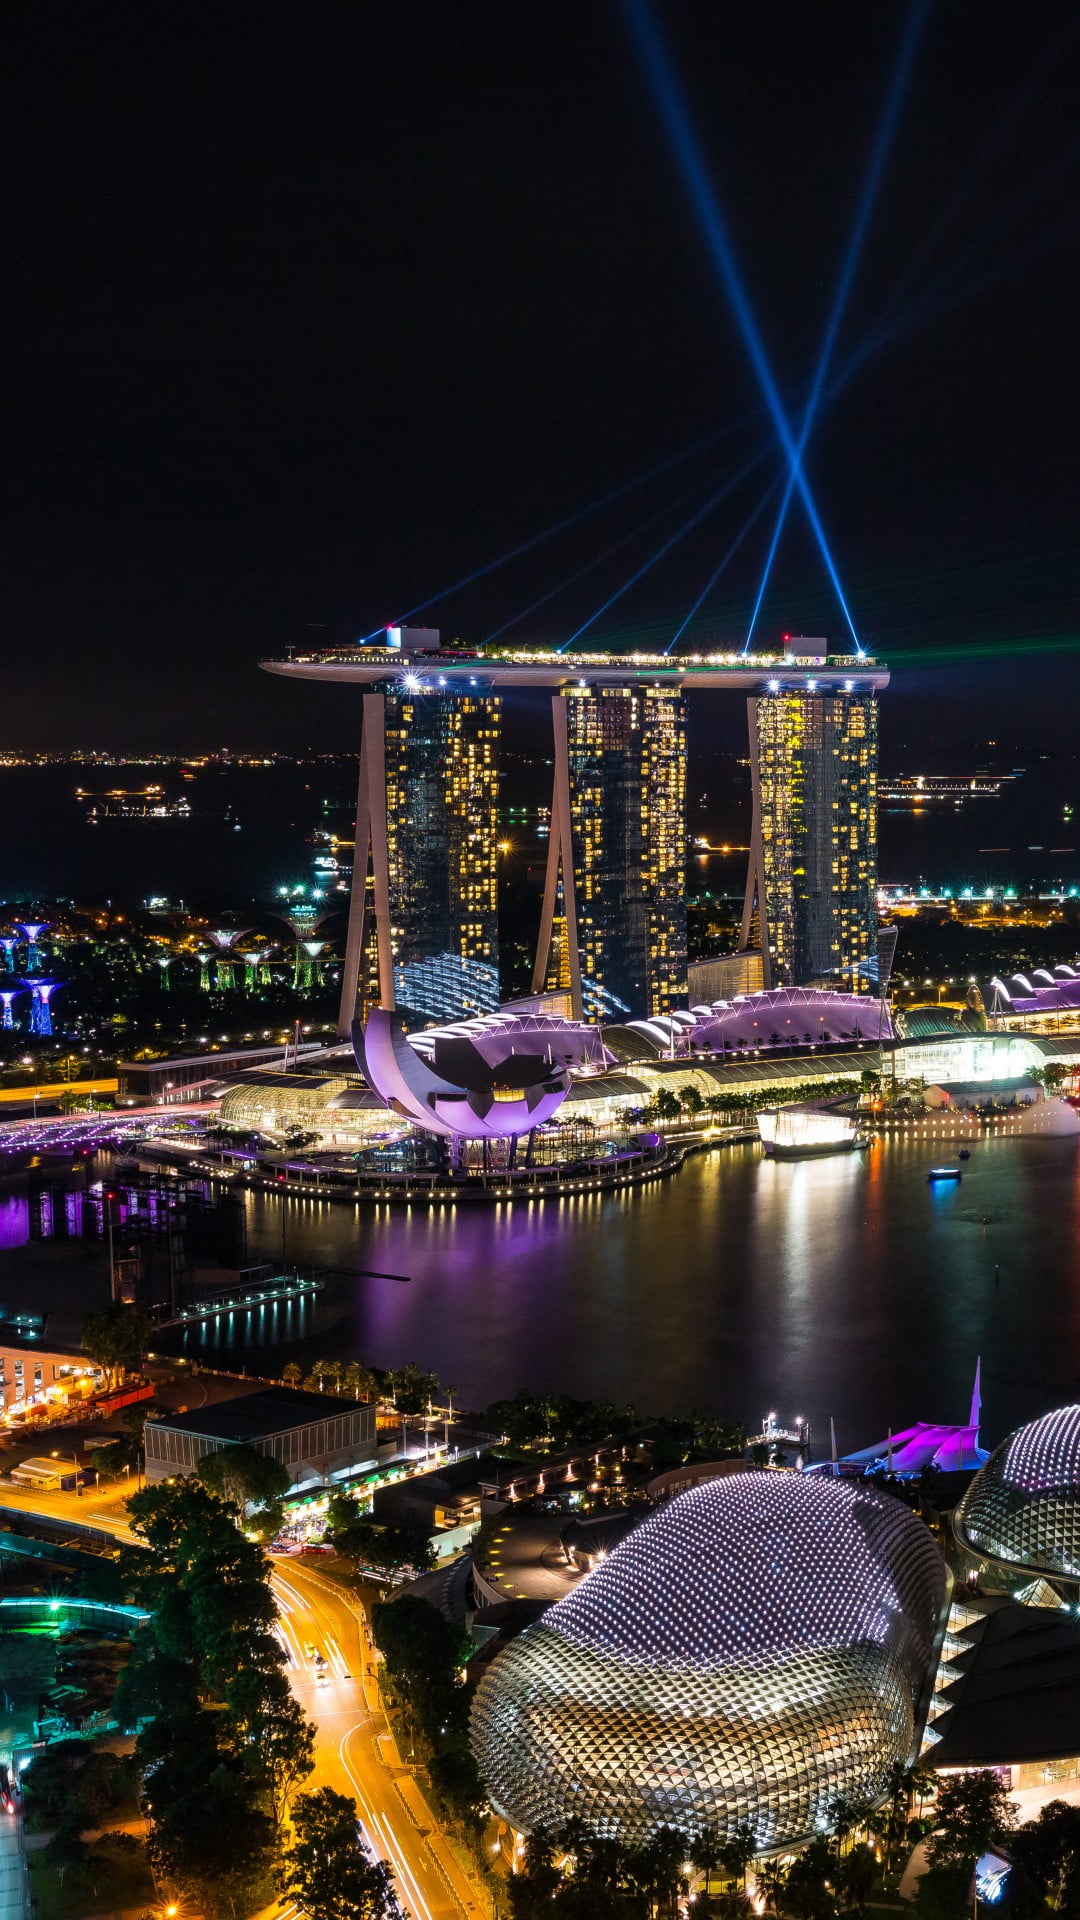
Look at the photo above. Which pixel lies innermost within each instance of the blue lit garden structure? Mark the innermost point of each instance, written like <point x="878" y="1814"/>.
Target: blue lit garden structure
<point x="32" y="931"/>
<point x="40" y="1008"/>
<point x="7" y="947"/>
<point x="7" y="996"/>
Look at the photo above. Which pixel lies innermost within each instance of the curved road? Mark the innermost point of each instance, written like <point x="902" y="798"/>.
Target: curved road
<point x="354" y="1748"/>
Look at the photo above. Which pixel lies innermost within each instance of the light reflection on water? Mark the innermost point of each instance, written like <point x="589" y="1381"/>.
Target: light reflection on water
<point x="846" y="1285"/>
<point x="14" y="1218"/>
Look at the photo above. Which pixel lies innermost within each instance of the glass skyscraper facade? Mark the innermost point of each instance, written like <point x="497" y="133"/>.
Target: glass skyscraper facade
<point x="442" y="780"/>
<point x="626" y="779"/>
<point x="813" y="867"/>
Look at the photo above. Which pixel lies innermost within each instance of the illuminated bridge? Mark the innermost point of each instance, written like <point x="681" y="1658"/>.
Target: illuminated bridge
<point x="423" y="920"/>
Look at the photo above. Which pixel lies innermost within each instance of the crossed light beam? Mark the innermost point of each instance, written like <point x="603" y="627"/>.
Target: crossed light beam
<point x="598" y="559"/>
<point x="673" y="539"/>
<point x="725" y="562"/>
<point x="878" y="157"/>
<point x="562" y="526"/>
<point x="1052" y="53"/>
<point x="942" y="295"/>
<point x="659" y="70"/>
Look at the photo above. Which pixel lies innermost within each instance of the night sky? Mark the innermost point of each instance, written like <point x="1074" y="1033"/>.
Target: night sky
<point x="310" y="312"/>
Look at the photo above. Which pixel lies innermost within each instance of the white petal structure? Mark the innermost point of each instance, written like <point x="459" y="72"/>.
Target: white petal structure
<point x="1023" y="1506"/>
<point x="756" y="1647"/>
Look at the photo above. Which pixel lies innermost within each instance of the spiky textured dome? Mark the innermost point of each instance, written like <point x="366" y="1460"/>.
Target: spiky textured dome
<point x="1023" y="1506"/>
<point x="754" y="1648"/>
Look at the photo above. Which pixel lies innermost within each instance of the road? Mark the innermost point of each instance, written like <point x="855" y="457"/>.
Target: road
<point x="354" y="1748"/>
<point x="14" y="1881"/>
<point x="355" y="1751"/>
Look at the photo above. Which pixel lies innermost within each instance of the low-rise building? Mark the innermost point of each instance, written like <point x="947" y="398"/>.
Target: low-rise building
<point x="189" y="1077"/>
<point x="451" y="1496"/>
<point x="318" y="1438"/>
<point x="33" y="1375"/>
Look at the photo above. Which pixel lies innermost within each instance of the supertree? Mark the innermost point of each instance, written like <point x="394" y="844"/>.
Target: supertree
<point x="309" y="972"/>
<point x="32" y="931"/>
<point x="304" y="919"/>
<point x="7" y="946"/>
<point x="41" y="992"/>
<point x="165" y="961"/>
<point x="7" y="995"/>
<point x="256" y="969"/>
<point x="203" y="958"/>
<point x="223" y="940"/>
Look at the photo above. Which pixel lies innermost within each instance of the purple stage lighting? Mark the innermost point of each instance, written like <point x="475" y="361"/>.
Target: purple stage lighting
<point x="659" y="71"/>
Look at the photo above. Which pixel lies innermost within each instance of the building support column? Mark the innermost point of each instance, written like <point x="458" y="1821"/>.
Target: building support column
<point x="756" y="895"/>
<point x="370" y="845"/>
<point x="560" y="850"/>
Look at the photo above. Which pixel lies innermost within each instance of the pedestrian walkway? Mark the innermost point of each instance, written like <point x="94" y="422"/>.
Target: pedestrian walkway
<point x="14" y="1879"/>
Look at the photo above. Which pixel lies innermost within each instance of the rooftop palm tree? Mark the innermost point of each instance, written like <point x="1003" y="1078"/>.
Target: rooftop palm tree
<point x="706" y="1853"/>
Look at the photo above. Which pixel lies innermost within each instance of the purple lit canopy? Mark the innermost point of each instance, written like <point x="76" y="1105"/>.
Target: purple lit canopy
<point x="788" y="1017"/>
<point x="1038" y="992"/>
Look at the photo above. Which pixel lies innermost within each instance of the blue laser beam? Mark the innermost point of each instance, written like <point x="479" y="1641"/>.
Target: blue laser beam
<point x="913" y="31"/>
<point x="728" y="557"/>
<point x="670" y="506"/>
<point x="672" y="541"/>
<point x="659" y="72"/>
<point x="572" y="520"/>
<point x="944" y="295"/>
<point x="1049" y="57"/>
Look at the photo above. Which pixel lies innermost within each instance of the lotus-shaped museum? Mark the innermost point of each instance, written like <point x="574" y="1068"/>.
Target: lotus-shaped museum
<point x="489" y="1078"/>
<point x="758" y="1646"/>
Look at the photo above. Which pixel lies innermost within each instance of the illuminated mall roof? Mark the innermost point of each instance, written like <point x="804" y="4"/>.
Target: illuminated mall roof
<point x="448" y="672"/>
<point x="1039" y="991"/>
<point x="1023" y="1506"/>
<point x="754" y="1648"/>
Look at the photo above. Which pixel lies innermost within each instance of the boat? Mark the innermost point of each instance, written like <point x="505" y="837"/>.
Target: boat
<point x="802" y="1132"/>
<point x="945" y="1173"/>
<point x="964" y="1153"/>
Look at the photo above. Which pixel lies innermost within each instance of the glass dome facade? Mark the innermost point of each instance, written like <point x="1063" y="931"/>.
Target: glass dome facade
<point x="1023" y="1506"/>
<point x="757" y="1646"/>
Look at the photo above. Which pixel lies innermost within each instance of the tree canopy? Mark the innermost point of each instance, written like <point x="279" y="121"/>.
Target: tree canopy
<point x="116" y="1337"/>
<point x="254" y="1482"/>
<point x="222" y="1744"/>
<point x="325" y="1869"/>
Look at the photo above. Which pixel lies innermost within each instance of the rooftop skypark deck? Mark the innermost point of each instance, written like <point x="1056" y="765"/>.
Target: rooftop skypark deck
<point x="447" y="669"/>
